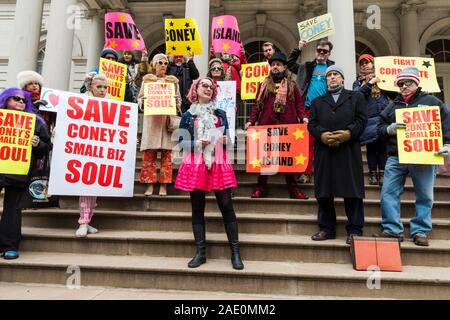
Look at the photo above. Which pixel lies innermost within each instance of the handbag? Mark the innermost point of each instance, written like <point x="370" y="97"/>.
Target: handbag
<point x="36" y="194"/>
<point x="381" y="252"/>
<point x="173" y="121"/>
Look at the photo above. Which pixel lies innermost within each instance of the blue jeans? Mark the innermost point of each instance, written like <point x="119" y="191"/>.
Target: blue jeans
<point x="423" y="177"/>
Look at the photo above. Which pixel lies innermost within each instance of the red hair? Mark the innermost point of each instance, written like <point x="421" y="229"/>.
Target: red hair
<point x="192" y="95"/>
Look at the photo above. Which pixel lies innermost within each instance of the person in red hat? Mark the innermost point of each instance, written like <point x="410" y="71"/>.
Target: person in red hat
<point x="377" y="100"/>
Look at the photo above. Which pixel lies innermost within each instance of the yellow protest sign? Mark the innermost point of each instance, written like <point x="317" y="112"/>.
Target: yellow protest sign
<point x="182" y="37"/>
<point x="16" y="133"/>
<point x="316" y="28"/>
<point x="159" y="99"/>
<point x="422" y="138"/>
<point x="116" y="73"/>
<point x="387" y="69"/>
<point x="252" y="75"/>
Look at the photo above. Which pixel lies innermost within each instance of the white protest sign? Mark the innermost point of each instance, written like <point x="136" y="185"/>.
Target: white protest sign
<point x="226" y="101"/>
<point x="94" y="151"/>
<point x="316" y="28"/>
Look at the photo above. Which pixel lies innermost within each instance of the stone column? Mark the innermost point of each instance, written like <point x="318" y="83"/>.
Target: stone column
<point x="344" y="38"/>
<point x="409" y="29"/>
<point x="59" y="47"/>
<point x="199" y="10"/>
<point x="24" y="40"/>
<point x="96" y="40"/>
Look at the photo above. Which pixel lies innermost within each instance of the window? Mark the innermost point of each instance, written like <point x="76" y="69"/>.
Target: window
<point x="439" y="50"/>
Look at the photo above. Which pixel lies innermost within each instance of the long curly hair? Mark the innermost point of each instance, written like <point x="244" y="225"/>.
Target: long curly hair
<point x="11" y="92"/>
<point x="192" y="95"/>
<point x="269" y="87"/>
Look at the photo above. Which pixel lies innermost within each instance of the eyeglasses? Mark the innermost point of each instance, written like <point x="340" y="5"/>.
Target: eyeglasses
<point x="401" y="84"/>
<point x="216" y="69"/>
<point x="324" y="51"/>
<point x="19" y="99"/>
<point x="163" y="63"/>
<point x="207" y="86"/>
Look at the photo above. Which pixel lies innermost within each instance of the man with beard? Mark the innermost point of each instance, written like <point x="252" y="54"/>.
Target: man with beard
<point x="278" y="102"/>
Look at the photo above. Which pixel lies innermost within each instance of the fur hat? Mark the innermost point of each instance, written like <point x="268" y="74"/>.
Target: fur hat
<point x="26" y="77"/>
<point x="409" y="73"/>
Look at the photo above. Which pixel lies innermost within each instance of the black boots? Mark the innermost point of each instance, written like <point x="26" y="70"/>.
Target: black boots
<point x="200" y="255"/>
<point x="232" y="234"/>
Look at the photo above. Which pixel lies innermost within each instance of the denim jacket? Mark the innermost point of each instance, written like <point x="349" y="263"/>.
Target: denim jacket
<point x="186" y="137"/>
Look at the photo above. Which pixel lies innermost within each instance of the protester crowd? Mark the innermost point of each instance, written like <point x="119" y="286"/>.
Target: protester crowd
<point x="339" y="122"/>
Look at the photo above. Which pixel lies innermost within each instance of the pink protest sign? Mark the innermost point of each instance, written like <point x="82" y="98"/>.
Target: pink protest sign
<point x="121" y="33"/>
<point x="225" y="35"/>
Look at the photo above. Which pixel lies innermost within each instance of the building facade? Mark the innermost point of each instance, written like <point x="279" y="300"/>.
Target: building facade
<point x="62" y="39"/>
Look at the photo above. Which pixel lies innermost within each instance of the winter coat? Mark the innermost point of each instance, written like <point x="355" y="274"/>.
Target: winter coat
<point x="374" y="107"/>
<point x="338" y="171"/>
<point x="293" y="113"/>
<point x="303" y="71"/>
<point x="186" y="139"/>
<point x="185" y="74"/>
<point x="387" y="117"/>
<point x="44" y="147"/>
<point x="154" y="132"/>
<point x="235" y="65"/>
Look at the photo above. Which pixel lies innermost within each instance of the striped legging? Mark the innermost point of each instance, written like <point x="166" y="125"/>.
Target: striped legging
<point x="87" y="206"/>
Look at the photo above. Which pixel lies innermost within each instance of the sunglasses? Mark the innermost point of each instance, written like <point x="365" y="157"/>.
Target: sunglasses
<point x="324" y="51"/>
<point x="19" y="99"/>
<point x="401" y="84"/>
<point x="207" y="86"/>
<point x="216" y="69"/>
<point x="163" y="63"/>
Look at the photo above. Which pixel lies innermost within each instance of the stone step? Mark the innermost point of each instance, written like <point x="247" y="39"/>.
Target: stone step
<point x="255" y="247"/>
<point x="242" y="176"/>
<point x="441" y="209"/>
<point x="279" y="190"/>
<point x="261" y="277"/>
<point x="251" y="223"/>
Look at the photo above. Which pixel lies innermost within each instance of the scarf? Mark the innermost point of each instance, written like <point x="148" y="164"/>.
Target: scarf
<point x="364" y="78"/>
<point x="35" y="95"/>
<point x="205" y="117"/>
<point x="281" y="93"/>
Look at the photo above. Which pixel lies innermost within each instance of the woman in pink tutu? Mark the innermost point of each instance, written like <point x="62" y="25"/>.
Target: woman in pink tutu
<point x="206" y="167"/>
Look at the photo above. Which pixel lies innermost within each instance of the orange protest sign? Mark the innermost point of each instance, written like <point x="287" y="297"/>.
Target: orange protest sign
<point x="422" y="137"/>
<point x="387" y="69"/>
<point x="117" y="78"/>
<point x="16" y="133"/>
<point x="159" y="99"/>
<point x="252" y="75"/>
<point x="277" y="148"/>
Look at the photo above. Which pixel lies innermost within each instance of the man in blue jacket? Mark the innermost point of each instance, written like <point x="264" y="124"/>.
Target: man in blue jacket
<point x="423" y="176"/>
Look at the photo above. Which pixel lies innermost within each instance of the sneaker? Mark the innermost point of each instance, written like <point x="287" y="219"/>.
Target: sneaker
<point x="384" y="234"/>
<point x="10" y="255"/>
<point x="304" y="178"/>
<point x="421" y="240"/>
<point x="297" y="194"/>
<point x="91" y="230"/>
<point x="380" y="178"/>
<point x="373" y="178"/>
<point x="82" y="231"/>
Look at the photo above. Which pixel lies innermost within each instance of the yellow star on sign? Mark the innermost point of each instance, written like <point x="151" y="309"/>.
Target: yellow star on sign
<point x="256" y="163"/>
<point x="135" y="44"/>
<point x="122" y="18"/>
<point x="300" y="159"/>
<point x="256" y="135"/>
<point x="226" y="46"/>
<point x="112" y="44"/>
<point x="299" y="134"/>
<point x="219" y="22"/>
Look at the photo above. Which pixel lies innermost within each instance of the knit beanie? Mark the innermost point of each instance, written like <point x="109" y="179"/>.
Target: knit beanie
<point x="336" y="69"/>
<point x="409" y="73"/>
<point x="109" y="51"/>
<point x="26" y="77"/>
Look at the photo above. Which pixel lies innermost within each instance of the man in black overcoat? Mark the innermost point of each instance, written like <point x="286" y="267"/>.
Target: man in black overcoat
<point x="337" y="120"/>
